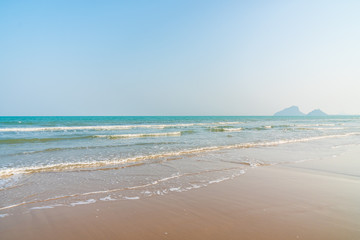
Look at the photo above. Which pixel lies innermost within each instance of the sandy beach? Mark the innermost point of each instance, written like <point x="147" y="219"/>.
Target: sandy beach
<point x="310" y="200"/>
<point x="179" y="120"/>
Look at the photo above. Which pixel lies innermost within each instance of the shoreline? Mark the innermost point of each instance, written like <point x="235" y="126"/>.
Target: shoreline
<point x="294" y="201"/>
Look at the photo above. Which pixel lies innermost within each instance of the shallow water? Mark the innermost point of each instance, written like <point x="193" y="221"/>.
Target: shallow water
<point x="46" y="162"/>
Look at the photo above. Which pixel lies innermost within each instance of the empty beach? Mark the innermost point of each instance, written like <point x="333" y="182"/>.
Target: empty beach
<point x="287" y="202"/>
<point x="270" y="180"/>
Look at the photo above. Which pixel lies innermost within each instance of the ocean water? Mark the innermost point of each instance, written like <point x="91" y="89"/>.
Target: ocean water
<point x="48" y="162"/>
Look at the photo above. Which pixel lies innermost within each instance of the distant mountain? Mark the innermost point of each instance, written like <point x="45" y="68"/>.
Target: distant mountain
<point x="290" y="111"/>
<point x="316" y="112"/>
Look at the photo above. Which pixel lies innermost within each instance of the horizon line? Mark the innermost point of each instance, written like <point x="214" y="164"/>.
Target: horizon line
<point x="172" y="115"/>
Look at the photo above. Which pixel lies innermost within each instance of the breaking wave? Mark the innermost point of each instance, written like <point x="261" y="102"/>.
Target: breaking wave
<point x="109" y="127"/>
<point x="5" y="173"/>
<point x="140" y="135"/>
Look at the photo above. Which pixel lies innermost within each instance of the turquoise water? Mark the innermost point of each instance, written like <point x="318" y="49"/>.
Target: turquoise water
<point x="73" y="157"/>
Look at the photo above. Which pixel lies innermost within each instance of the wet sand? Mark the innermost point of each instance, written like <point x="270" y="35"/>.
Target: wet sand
<point x="310" y="200"/>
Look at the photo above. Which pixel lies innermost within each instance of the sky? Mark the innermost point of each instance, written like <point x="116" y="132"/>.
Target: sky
<point x="187" y="57"/>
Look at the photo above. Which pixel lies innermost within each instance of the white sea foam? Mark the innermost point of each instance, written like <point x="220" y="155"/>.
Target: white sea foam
<point x="106" y="127"/>
<point x="140" y="135"/>
<point x="9" y="182"/>
<point x="315" y="125"/>
<point x="255" y="164"/>
<point x="89" y="201"/>
<point x="232" y="129"/>
<point x="146" y="192"/>
<point x="333" y="128"/>
<point x="73" y="128"/>
<point x="39" y="129"/>
<point x="131" y="198"/>
<point x="8" y="172"/>
<point x="219" y="180"/>
<point x="46" y="207"/>
<point x="111" y="127"/>
<point x="225" y="123"/>
<point x="4" y="215"/>
<point x="107" y="198"/>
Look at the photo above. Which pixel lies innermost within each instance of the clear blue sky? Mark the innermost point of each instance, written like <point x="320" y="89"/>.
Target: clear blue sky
<point x="178" y="57"/>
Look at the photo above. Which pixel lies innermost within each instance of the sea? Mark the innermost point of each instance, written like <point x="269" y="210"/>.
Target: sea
<point x="51" y="162"/>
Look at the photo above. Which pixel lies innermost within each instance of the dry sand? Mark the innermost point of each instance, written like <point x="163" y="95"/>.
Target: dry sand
<point x="302" y="201"/>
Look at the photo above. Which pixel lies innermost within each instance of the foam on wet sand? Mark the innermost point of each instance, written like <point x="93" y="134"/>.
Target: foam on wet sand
<point x="310" y="200"/>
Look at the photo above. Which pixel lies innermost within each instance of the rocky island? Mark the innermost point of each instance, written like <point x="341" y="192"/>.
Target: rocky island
<point x="295" y="111"/>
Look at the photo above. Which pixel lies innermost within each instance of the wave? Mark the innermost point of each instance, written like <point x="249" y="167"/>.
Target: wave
<point x="256" y="128"/>
<point x="89" y="147"/>
<point x="233" y="129"/>
<point x="110" y="127"/>
<point x="224" y="129"/>
<point x="74" y="128"/>
<point x="39" y="140"/>
<point x="315" y="125"/>
<point x="5" y="173"/>
<point x="302" y="126"/>
<point x="136" y="187"/>
<point x="224" y="123"/>
<point x="99" y="128"/>
<point x="329" y="128"/>
<point x="139" y="135"/>
<point x="217" y="129"/>
<point x="118" y="136"/>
